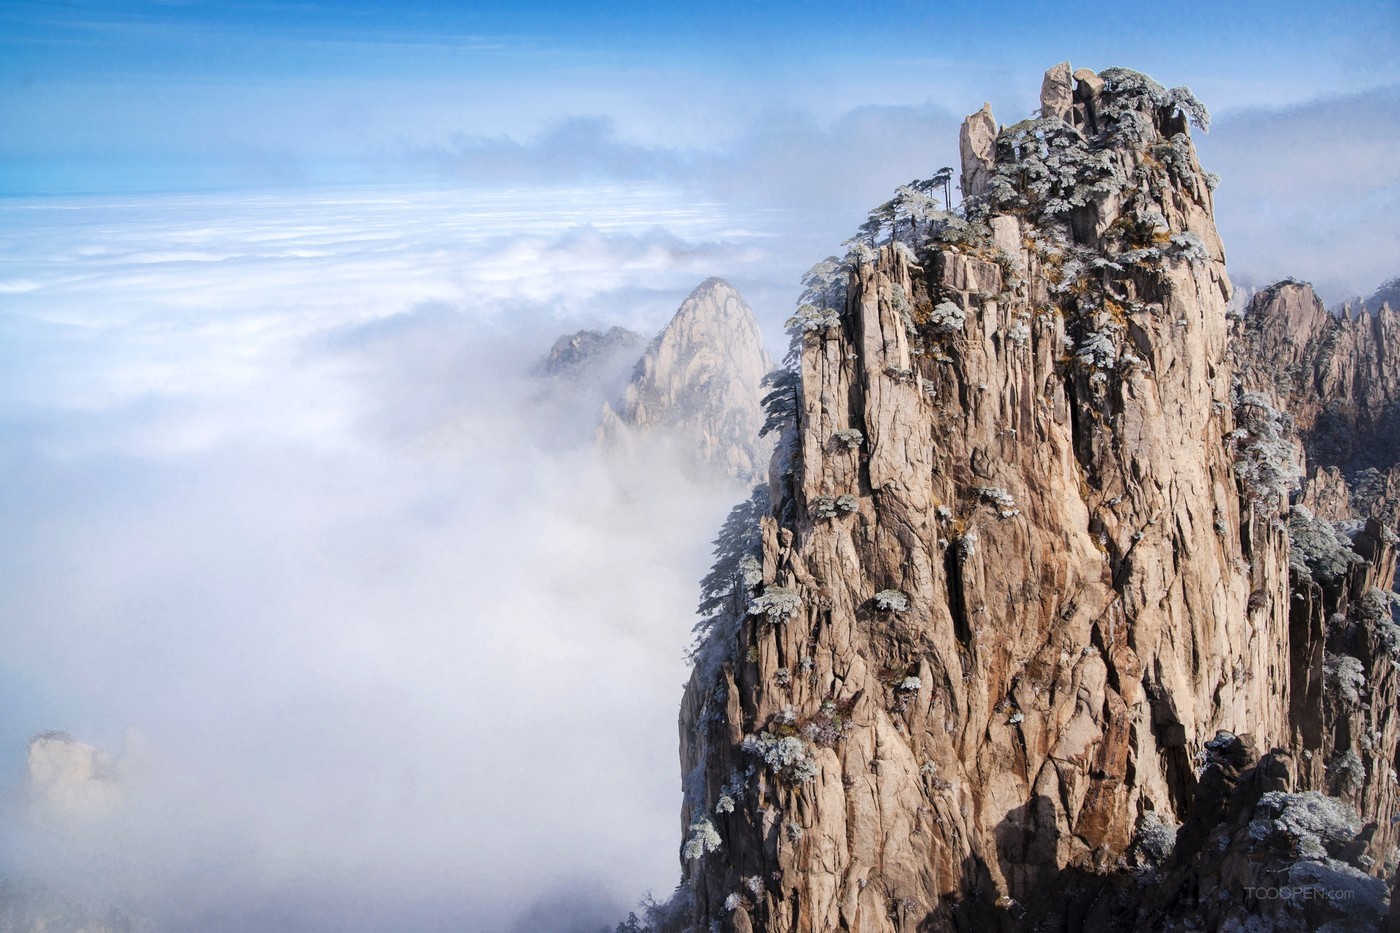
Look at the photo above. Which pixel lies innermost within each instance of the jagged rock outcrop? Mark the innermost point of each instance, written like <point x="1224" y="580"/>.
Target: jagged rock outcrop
<point x="698" y="386"/>
<point x="976" y="142"/>
<point x="1024" y="558"/>
<point x="1260" y="856"/>
<point x="1338" y="377"/>
<point x="582" y="353"/>
<point x="1057" y="92"/>
<point x="70" y="781"/>
<point x="1345" y="648"/>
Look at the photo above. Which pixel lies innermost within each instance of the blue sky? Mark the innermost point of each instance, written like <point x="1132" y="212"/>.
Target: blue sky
<point x="174" y="95"/>
<point x="815" y="106"/>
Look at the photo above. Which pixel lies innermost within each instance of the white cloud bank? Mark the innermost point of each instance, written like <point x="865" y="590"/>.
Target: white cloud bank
<point x="279" y="495"/>
<point x="1311" y="191"/>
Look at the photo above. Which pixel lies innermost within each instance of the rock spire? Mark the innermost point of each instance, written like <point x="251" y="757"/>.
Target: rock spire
<point x="1013" y="638"/>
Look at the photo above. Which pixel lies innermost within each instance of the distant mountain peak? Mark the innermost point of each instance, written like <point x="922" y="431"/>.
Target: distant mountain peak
<point x="698" y="386"/>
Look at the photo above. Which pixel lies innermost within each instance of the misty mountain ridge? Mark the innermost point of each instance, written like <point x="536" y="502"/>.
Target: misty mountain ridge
<point x="1386" y="295"/>
<point x="583" y="352"/>
<point x="695" y="390"/>
<point x="699" y="386"/>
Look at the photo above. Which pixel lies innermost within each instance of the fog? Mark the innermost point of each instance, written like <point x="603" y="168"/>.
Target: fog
<point x="381" y="641"/>
<point x="1310" y="191"/>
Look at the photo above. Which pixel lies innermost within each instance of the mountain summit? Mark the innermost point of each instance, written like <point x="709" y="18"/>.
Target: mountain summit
<point x="698" y="387"/>
<point x="1023" y="632"/>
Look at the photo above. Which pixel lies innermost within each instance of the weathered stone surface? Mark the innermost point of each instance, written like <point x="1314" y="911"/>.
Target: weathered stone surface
<point x="1088" y="87"/>
<point x="1087" y="84"/>
<point x="977" y="146"/>
<point x="1260" y="856"/>
<point x="1057" y="92"/>
<point x="697" y="386"/>
<point x="1326" y="495"/>
<point x="1006" y="235"/>
<point x="1076" y="624"/>
<point x="1338" y="378"/>
<point x="967" y="274"/>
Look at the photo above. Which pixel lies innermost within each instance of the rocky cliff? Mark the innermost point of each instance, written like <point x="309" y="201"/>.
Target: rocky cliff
<point x="1023" y="631"/>
<point x="697" y="387"/>
<point x="1333" y="384"/>
<point x="1337" y="376"/>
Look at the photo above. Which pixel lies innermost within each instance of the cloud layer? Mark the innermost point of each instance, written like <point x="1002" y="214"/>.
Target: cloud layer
<point x="784" y="158"/>
<point x="1311" y="191"/>
<point x="385" y="643"/>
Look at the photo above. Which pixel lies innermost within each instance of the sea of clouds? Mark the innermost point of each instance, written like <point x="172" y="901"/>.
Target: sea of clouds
<point x="292" y="528"/>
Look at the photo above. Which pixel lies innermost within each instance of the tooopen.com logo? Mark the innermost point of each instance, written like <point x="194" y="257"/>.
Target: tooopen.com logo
<point x="1301" y="893"/>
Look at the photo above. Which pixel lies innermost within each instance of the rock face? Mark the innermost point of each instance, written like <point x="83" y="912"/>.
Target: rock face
<point x="1254" y="852"/>
<point x="1337" y="379"/>
<point x="1057" y="92"/>
<point x="1025" y="572"/>
<point x="1336" y="376"/>
<point x="698" y="385"/>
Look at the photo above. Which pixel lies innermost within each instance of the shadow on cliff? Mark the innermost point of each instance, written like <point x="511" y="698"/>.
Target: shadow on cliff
<point x="1069" y="900"/>
<point x="1247" y="833"/>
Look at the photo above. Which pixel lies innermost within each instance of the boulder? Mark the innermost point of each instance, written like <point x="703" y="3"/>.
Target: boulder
<point x="1057" y="92"/>
<point x="977" y="146"/>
